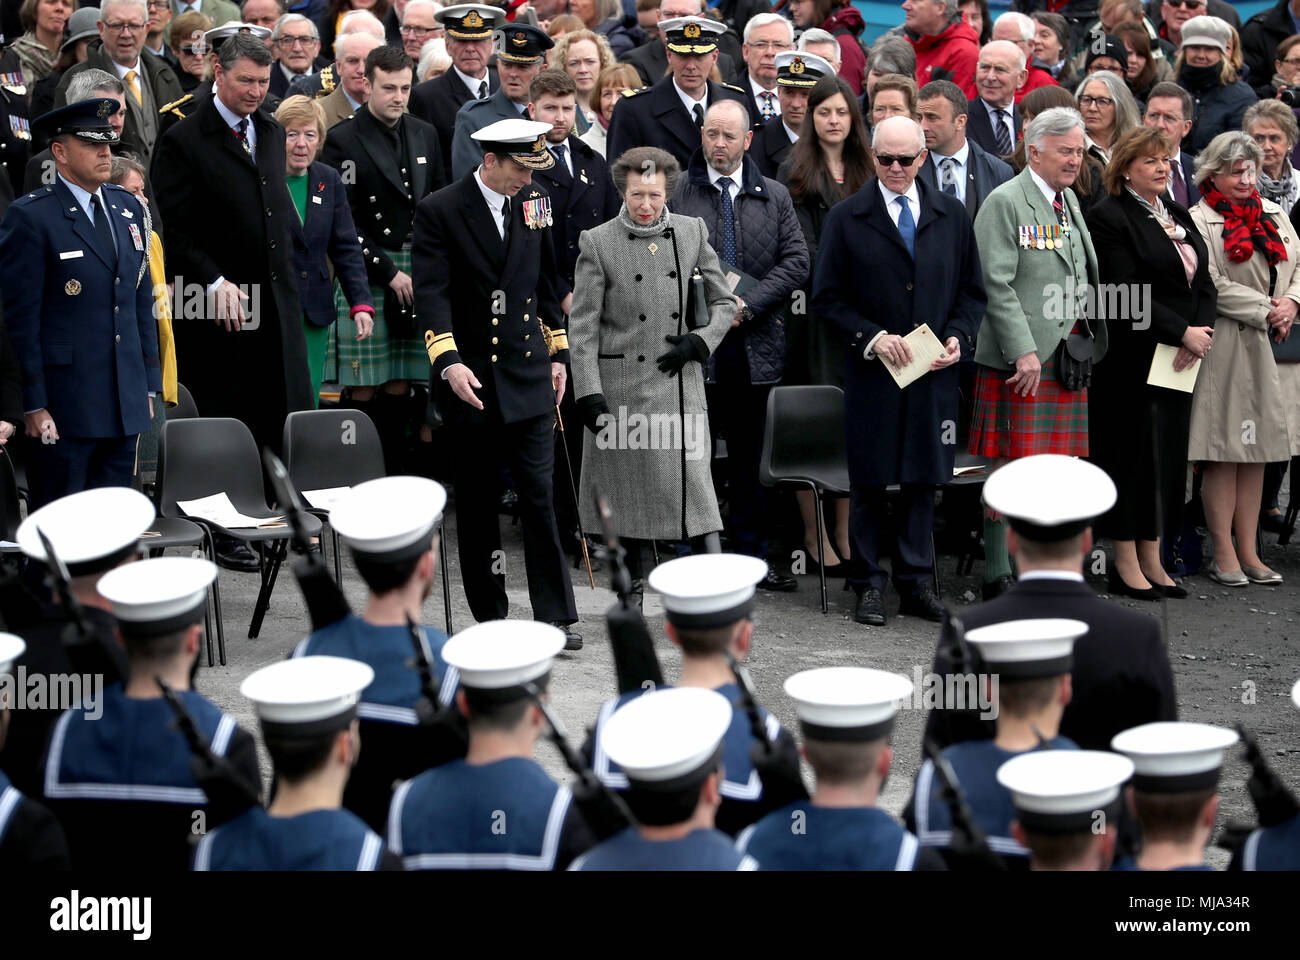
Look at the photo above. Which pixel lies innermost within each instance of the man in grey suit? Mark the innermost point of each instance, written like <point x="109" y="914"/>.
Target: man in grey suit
<point x="953" y="164"/>
<point x="521" y="53"/>
<point x="150" y="83"/>
<point x="1039" y="267"/>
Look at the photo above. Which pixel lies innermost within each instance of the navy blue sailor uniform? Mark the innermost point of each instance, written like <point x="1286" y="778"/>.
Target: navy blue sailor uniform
<point x="316" y="840"/>
<point x="30" y="837"/>
<point x="505" y="815"/>
<point x="396" y="747"/>
<point x="121" y="784"/>
<point x="832" y="838"/>
<point x="701" y="849"/>
<point x="741" y="788"/>
<point x="1270" y="848"/>
<point x="975" y="763"/>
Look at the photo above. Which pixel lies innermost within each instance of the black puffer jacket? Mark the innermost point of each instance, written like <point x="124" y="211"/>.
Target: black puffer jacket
<point x="770" y="247"/>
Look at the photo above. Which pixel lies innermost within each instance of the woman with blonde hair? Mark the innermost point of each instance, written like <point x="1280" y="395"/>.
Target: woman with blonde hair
<point x="39" y="46"/>
<point x="613" y="82"/>
<point x="583" y="55"/>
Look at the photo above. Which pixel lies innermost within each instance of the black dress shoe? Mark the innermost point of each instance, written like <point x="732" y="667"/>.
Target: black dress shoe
<point x="924" y="604"/>
<point x="870" y="608"/>
<point x="1174" y="591"/>
<point x="1272" y="522"/>
<point x="1121" y="589"/>
<point x="778" y="581"/>
<point x="998" y="587"/>
<point x="234" y="555"/>
<point x="572" y="641"/>
<point x="840" y="569"/>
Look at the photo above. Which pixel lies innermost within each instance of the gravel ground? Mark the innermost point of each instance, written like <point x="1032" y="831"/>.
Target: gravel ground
<point x="1235" y="654"/>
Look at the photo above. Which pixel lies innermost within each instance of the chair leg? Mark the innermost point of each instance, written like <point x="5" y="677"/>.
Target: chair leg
<point x="934" y="565"/>
<point x="338" y="559"/>
<point x="270" y="569"/>
<point x="216" y="600"/>
<point x="446" y="577"/>
<point x="207" y="629"/>
<point x="821" y="552"/>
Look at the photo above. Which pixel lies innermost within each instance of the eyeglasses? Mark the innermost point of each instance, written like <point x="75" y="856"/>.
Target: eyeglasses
<point x="1102" y="102"/>
<point x="288" y="43"/>
<point x="763" y="46"/>
<point x="1290" y="62"/>
<point x="159" y="5"/>
<point x="194" y="49"/>
<point x="118" y="26"/>
<point x="417" y="31"/>
<point x="886" y="161"/>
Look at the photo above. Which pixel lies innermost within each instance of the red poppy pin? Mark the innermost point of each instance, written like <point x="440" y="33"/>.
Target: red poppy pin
<point x="320" y="187"/>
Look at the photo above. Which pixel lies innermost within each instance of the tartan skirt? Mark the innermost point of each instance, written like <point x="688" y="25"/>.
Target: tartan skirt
<point x="1006" y="425"/>
<point x="380" y="357"/>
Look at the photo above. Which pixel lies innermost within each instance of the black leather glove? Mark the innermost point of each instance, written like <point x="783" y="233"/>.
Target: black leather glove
<point x="591" y="407"/>
<point x="684" y="350"/>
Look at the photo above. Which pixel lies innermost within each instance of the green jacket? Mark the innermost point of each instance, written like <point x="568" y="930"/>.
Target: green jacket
<point x="1032" y="293"/>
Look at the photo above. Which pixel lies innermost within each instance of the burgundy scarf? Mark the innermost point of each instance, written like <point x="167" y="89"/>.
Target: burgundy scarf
<point x="1245" y="228"/>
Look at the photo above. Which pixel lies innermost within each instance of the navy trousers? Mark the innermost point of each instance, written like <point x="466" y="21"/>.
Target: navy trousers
<point x="911" y="551"/>
<point x="73" y="464"/>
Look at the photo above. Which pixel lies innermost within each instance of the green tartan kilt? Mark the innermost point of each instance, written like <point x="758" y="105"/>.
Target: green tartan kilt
<point x="378" y="358"/>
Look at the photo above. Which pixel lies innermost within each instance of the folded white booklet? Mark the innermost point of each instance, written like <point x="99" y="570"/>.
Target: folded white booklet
<point x="1163" y="374"/>
<point x="325" y="499"/>
<point x="926" y="349"/>
<point x="219" y="510"/>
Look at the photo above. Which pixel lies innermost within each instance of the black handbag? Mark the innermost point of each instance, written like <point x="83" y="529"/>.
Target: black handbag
<point x="1074" y="360"/>
<point x="697" y="305"/>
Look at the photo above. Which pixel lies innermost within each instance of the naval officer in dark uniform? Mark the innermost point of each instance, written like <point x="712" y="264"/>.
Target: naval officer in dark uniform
<point x="521" y="53"/>
<point x="796" y="74"/>
<point x="391" y="526"/>
<point x="496" y="809"/>
<point x="15" y="136"/>
<point x="670" y="114"/>
<point x="485" y="291"/>
<point x="846" y="714"/>
<point x="79" y="307"/>
<point x="30" y="838"/>
<point x="469" y="28"/>
<point x="117" y="772"/>
<point x="308" y="712"/>
<point x="708" y="605"/>
<point x="672" y="744"/>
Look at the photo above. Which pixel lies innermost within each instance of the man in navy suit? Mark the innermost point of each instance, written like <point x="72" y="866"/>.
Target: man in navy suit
<point x="73" y="263"/>
<point x="954" y="164"/>
<point x="1170" y="110"/>
<point x="994" y="122"/>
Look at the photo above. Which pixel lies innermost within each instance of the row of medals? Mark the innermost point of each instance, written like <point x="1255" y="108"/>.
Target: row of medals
<point x="1041" y="237"/>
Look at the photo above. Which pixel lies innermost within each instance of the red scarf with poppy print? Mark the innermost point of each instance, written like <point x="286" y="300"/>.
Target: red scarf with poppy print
<point x="1245" y="228"/>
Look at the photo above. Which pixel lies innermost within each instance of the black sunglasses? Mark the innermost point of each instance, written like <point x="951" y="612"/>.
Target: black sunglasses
<point x="886" y="161"/>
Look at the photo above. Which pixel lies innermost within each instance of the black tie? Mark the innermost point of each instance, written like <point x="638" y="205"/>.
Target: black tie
<point x="103" y="230"/>
<point x="562" y="168"/>
<point x="505" y="221"/>
<point x="699" y="115"/>
<point x="482" y="90"/>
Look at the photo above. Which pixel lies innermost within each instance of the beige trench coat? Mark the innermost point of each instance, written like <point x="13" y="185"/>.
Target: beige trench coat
<point x="1246" y="407"/>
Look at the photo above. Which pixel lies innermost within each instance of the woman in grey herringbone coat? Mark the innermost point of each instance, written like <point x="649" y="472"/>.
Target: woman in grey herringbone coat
<point x="638" y="369"/>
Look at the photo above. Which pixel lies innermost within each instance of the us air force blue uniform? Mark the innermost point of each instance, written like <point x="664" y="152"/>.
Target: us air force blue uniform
<point x="1271" y="848"/>
<point x="121" y="783"/>
<point x="319" y="840"/>
<point x="474" y="115"/>
<point x="506" y="815"/>
<point x="742" y="788"/>
<point x="394" y="745"/>
<point x="975" y="762"/>
<point x="701" y="849"/>
<point x="81" y="318"/>
<point x="829" y="838"/>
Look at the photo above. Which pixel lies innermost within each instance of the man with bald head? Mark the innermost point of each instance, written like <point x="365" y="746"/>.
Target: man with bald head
<point x="323" y="82"/>
<point x="352" y="90"/>
<point x="995" y="123"/>
<point x="754" y="230"/>
<point x="1019" y="29"/>
<point x="898" y="230"/>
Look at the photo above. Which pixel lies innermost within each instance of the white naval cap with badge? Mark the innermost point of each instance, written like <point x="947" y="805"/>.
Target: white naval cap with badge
<point x="691" y="36"/>
<point x="307" y="696"/>
<point x="158" y="596"/>
<point x="669" y="738"/>
<point x="390" y="518"/>
<point x="1049" y="497"/>
<point x="707" y="590"/>
<point x="216" y="35"/>
<point x="497" y="658"/>
<point x="1028" y="649"/>
<point x="524" y="142"/>
<point x="91" y="531"/>
<point x="842" y="704"/>
<point x="469" y="21"/>
<point x="795" y="68"/>
<point x="1062" y="791"/>
<point x="11" y="648"/>
<point x="1175" y="756"/>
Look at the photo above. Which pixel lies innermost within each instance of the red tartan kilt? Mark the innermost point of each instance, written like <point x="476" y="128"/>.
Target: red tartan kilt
<point x="1007" y="425"/>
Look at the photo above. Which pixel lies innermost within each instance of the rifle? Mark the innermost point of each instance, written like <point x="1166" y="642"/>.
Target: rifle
<point x="429" y="711"/>
<point x="635" y="662"/>
<point x="324" y="598"/>
<point x="87" y="652"/>
<point x="969" y="848"/>
<point x="604" y="810"/>
<point x="782" y="782"/>
<point x="228" y="793"/>
<point x="1274" y="803"/>
<point x="61" y="581"/>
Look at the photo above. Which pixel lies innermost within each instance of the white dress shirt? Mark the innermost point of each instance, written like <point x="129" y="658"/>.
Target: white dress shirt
<point x="690" y="103"/>
<point x="735" y="176"/>
<point x="1008" y="116"/>
<point x="913" y="200"/>
<point x="233" y="120"/>
<point x="794" y="137"/>
<point x="471" y="83"/>
<point x="960" y="160"/>
<point x="759" y="90"/>
<point x="1052" y="575"/>
<point x="1047" y="191"/>
<point x="568" y="155"/>
<point x="495" y="201"/>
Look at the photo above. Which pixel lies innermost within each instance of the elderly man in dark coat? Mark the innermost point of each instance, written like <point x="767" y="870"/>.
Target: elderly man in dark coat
<point x="755" y="231"/>
<point x="918" y="248"/>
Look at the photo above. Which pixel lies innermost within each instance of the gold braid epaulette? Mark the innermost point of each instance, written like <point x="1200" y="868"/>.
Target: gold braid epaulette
<point x="326" y="82"/>
<point x="175" y="105"/>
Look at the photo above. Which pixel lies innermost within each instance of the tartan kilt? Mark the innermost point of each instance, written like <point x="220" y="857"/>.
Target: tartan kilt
<point x="378" y="358"/>
<point x="1006" y="425"/>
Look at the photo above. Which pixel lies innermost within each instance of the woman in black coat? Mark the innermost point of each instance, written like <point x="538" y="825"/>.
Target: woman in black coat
<point x="1156" y="288"/>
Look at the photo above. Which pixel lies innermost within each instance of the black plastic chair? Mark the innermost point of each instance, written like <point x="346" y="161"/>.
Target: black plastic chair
<point x="168" y="532"/>
<point x="200" y="457"/>
<point x="186" y="408"/>
<point x="971" y="542"/>
<point x="803" y="444"/>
